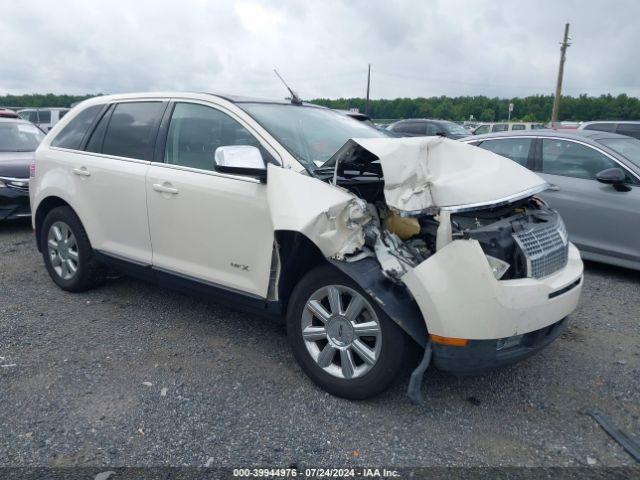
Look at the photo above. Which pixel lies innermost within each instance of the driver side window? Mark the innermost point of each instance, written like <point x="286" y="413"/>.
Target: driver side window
<point x="571" y="159"/>
<point x="196" y="131"/>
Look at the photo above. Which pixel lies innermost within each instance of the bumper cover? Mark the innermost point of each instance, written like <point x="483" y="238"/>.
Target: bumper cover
<point x="459" y="297"/>
<point x="14" y="203"/>
<point x="481" y="356"/>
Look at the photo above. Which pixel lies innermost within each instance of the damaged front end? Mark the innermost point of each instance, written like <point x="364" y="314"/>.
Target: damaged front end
<point x="447" y="238"/>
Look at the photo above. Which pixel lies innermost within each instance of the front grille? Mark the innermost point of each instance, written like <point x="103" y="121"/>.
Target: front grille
<point x="546" y="249"/>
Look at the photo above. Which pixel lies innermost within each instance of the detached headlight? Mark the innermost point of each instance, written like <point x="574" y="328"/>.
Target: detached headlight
<point x="498" y="267"/>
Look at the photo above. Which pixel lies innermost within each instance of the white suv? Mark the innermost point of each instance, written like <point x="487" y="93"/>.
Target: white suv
<point x="369" y="245"/>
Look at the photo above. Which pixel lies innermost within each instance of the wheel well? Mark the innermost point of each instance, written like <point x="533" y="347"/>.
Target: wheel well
<point x="298" y="255"/>
<point x="44" y="208"/>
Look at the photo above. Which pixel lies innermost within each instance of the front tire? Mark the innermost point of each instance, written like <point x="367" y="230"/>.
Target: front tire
<point x="342" y="340"/>
<point x="67" y="253"/>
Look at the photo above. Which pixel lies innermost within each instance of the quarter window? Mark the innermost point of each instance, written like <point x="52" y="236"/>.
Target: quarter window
<point x="73" y="132"/>
<point x="571" y="159"/>
<point x="517" y="149"/>
<point x="44" y="116"/>
<point x="196" y="131"/>
<point x="132" y="130"/>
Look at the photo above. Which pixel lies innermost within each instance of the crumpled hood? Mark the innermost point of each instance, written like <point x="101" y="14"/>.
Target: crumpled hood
<point x="423" y="173"/>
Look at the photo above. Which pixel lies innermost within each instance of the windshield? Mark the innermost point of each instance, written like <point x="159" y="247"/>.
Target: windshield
<point x="311" y="134"/>
<point x="19" y="137"/>
<point x="627" y="147"/>
<point x="455" y="129"/>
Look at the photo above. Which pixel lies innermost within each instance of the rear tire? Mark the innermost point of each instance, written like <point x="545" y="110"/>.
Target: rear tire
<point x="67" y="253"/>
<point x="351" y="350"/>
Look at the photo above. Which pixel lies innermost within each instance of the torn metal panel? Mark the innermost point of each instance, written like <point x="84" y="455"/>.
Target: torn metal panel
<point x="392" y="298"/>
<point x="331" y="216"/>
<point x="430" y="173"/>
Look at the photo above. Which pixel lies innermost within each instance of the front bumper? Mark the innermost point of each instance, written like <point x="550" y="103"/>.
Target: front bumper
<point x="14" y="203"/>
<point x="459" y="296"/>
<point x="481" y="356"/>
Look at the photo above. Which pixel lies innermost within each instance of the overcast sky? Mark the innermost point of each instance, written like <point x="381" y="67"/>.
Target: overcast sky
<point x="416" y="48"/>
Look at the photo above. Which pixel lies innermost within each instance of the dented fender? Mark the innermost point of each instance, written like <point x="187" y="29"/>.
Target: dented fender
<point x="331" y="217"/>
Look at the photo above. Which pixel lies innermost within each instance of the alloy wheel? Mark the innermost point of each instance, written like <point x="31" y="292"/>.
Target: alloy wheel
<point x="63" y="250"/>
<point x="341" y="331"/>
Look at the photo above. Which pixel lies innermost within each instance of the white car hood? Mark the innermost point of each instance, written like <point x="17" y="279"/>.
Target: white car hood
<point x="423" y="173"/>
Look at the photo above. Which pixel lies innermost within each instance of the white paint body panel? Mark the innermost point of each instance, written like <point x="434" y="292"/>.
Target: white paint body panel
<point x="110" y="202"/>
<point x="435" y="172"/>
<point x="460" y="298"/>
<point x="310" y="206"/>
<point x="212" y="227"/>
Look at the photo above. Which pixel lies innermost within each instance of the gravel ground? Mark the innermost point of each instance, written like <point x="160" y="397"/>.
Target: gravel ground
<point x="130" y="374"/>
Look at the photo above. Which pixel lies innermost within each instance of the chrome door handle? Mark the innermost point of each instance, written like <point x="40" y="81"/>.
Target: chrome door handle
<point x="553" y="188"/>
<point x="83" y="172"/>
<point x="164" y="188"/>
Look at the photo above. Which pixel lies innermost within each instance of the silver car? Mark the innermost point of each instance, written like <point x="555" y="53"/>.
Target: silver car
<point x="594" y="180"/>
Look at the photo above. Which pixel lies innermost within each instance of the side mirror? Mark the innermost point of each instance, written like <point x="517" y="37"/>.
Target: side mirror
<point x="441" y="134"/>
<point x="240" y="160"/>
<point x="613" y="176"/>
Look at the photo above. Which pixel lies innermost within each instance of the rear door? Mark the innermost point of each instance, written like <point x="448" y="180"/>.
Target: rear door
<point x="109" y="179"/>
<point x="600" y="219"/>
<point x="205" y="225"/>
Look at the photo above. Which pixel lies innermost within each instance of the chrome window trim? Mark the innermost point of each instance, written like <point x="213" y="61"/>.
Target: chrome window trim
<point x="101" y="155"/>
<point x="206" y="172"/>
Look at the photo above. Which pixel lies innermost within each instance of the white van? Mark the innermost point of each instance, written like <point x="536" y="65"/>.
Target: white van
<point x="45" y="118"/>
<point x="368" y="245"/>
<point x="506" y="127"/>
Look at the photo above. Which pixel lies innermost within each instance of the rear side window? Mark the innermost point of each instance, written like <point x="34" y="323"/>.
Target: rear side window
<point x="500" y="127"/>
<point x="517" y="149"/>
<point x="132" y="130"/>
<point x="517" y="126"/>
<point x="61" y="114"/>
<point x="629" y="129"/>
<point x="412" y="128"/>
<point x="482" y="129"/>
<point x="72" y="134"/>
<point x="196" y="131"/>
<point x="44" y="116"/>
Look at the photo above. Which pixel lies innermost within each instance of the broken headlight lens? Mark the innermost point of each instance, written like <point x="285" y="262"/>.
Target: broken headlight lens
<point x="498" y="267"/>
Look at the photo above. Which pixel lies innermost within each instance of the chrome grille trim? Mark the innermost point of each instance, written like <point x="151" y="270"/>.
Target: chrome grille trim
<point x="546" y="249"/>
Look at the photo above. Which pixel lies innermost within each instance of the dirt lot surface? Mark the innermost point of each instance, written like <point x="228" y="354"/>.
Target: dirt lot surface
<point x="130" y="374"/>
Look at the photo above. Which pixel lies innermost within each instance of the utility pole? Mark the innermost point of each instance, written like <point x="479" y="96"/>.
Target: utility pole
<point x="366" y="108"/>
<point x="563" y="50"/>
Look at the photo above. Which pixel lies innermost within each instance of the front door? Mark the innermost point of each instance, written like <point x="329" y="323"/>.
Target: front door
<point x="600" y="219"/>
<point x="204" y="225"/>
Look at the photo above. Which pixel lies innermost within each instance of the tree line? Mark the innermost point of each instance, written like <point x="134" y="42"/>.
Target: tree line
<point x="534" y="108"/>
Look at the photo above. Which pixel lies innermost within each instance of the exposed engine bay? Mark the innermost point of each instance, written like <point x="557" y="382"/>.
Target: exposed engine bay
<point x="402" y="241"/>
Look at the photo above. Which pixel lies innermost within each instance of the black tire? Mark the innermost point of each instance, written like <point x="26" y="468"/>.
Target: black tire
<point x="394" y="350"/>
<point x="89" y="273"/>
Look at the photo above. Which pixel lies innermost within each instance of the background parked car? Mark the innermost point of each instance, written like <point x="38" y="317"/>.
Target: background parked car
<point x="8" y="113"/>
<point x="595" y="185"/>
<point x="45" y="118"/>
<point x="505" y="127"/>
<point x="629" y="128"/>
<point x="18" y="142"/>
<point x="424" y="127"/>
